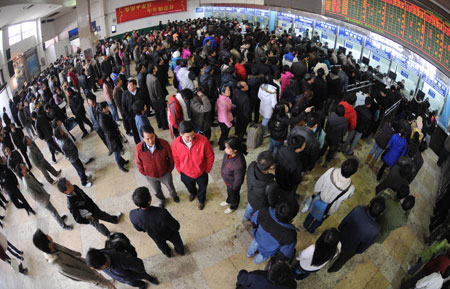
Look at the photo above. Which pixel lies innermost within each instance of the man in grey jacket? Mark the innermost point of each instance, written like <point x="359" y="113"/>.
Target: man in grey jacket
<point x="156" y="95"/>
<point x="69" y="263"/>
<point x="38" y="160"/>
<point x="39" y="195"/>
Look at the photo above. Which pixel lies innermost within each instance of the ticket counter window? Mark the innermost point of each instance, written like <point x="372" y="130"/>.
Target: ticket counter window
<point x="435" y="98"/>
<point x="410" y="77"/>
<point x="378" y="60"/>
<point x="352" y="46"/>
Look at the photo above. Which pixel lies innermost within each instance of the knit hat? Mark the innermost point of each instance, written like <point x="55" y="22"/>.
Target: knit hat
<point x="265" y="160"/>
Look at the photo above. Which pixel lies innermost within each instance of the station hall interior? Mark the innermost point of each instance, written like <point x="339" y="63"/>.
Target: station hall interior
<point x="404" y="44"/>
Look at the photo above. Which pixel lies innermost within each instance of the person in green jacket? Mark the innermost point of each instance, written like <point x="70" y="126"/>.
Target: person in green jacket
<point x="396" y="212"/>
<point x="428" y="253"/>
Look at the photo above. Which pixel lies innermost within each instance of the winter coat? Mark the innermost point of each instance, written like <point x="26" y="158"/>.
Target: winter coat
<point x="272" y="235"/>
<point x="127" y="103"/>
<point x="258" y="279"/>
<point x="68" y="148"/>
<point x="201" y="112"/>
<point x="195" y="161"/>
<point x="364" y="119"/>
<point x="35" y="155"/>
<point x="268" y="95"/>
<point x="243" y="107"/>
<point x="310" y="154"/>
<point x="70" y="264"/>
<point x="157" y="222"/>
<point x="320" y="89"/>
<point x="112" y="133"/>
<point x="154" y="88"/>
<point x="260" y="194"/>
<point x="279" y="125"/>
<point x="36" y="190"/>
<point x="186" y="78"/>
<point x="336" y="128"/>
<point x="224" y="114"/>
<point x="396" y="147"/>
<point x="155" y="164"/>
<point x="350" y="115"/>
<point x="8" y="180"/>
<point x="77" y="106"/>
<point x="43" y="127"/>
<point x="233" y="170"/>
<point x="285" y="81"/>
<point x="385" y="135"/>
<point x="288" y="172"/>
<point x="74" y="202"/>
<point x="124" y="267"/>
<point x="175" y="112"/>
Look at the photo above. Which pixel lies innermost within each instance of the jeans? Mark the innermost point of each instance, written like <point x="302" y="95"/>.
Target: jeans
<point x="356" y="135"/>
<point x="224" y="135"/>
<point x="201" y="181"/>
<point x="155" y="185"/>
<point x="78" y="165"/>
<point x="248" y="212"/>
<point x="251" y="251"/>
<point x="311" y="224"/>
<point x="275" y="146"/>
<point x="376" y="150"/>
<point x="113" y="109"/>
<point x="264" y="123"/>
<point x="233" y="197"/>
<point x="119" y="160"/>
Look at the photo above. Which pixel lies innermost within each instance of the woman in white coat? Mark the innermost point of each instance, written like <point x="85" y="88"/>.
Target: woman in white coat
<point x="268" y="95"/>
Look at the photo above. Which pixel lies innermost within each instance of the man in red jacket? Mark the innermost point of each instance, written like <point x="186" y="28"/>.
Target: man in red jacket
<point x="74" y="78"/>
<point x="194" y="158"/>
<point x="350" y="112"/>
<point x="155" y="161"/>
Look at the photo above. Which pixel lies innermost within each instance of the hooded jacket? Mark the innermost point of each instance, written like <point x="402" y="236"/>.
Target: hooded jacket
<point x="260" y="194"/>
<point x="350" y="115"/>
<point x="268" y="95"/>
<point x="336" y="128"/>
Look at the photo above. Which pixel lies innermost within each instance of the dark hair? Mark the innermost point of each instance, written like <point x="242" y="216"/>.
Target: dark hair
<point x="403" y="192"/>
<point x="351" y="98"/>
<point x="150" y="68"/>
<point x="320" y="71"/>
<point x="138" y="107"/>
<point x="187" y="94"/>
<point x="186" y="126"/>
<point x="147" y="129"/>
<point x="103" y="104"/>
<point x="41" y="241"/>
<point x="349" y="167"/>
<point x="95" y="258"/>
<point x="236" y="144"/>
<point x="376" y="207"/>
<point x="265" y="160"/>
<point x="279" y="274"/>
<point x="405" y="170"/>
<point x="368" y="100"/>
<point x="286" y="211"/>
<point x="326" y="247"/>
<point x="408" y="203"/>
<point x="61" y="185"/>
<point x="279" y="110"/>
<point x="296" y="141"/>
<point x="132" y="81"/>
<point x="312" y="119"/>
<point x="340" y="110"/>
<point x="92" y="97"/>
<point x="141" y="197"/>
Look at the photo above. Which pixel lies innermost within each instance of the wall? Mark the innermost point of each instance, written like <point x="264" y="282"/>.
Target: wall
<point x="48" y="31"/>
<point x="110" y="12"/>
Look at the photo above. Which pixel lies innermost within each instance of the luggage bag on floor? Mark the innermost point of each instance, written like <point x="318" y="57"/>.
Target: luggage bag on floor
<point x="254" y="135"/>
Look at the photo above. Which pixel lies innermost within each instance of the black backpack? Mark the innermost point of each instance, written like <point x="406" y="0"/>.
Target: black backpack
<point x="120" y="243"/>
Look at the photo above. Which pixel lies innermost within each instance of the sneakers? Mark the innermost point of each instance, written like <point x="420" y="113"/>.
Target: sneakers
<point x="228" y="211"/>
<point x="224" y="204"/>
<point x="87" y="185"/>
<point x="176" y="199"/>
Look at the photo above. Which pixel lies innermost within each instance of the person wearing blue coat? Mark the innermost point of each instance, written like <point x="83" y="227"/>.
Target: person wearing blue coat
<point x="278" y="277"/>
<point x="274" y="233"/>
<point x="122" y="267"/>
<point x="396" y="148"/>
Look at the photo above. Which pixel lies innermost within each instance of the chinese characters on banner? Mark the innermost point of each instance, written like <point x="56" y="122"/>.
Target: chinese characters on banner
<point x="151" y="8"/>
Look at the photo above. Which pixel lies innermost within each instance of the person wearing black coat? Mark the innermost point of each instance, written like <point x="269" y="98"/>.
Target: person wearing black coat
<point x="44" y="131"/>
<point x="254" y="81"/>
<point x="14" y="112"/>
<point x="208" y="82"/>
<point x="106" y="67"/>
<point x="363" y="125"/>
<point x="77" y="107"/>
<point x="336" y="128"/>
<point x="83" y="209"/>
<point x="130" y="96"/>
<point x="157" y="222"/>
<point x="122" y="267"/>
<point x="9" y="183"/>
<point x="112" y="135"/>
<point x="243" y="108"/>
<point x="288" y="172"/>
<point x="261" y="186"/>
<point x="320" y="89"/>
<point x="279" y="277"/>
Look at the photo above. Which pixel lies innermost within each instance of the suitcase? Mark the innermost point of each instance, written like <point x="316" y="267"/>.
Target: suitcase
<point x="254" y="135"/>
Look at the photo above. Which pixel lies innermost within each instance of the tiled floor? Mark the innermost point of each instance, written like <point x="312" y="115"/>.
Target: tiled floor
<point x="216" y="243"/>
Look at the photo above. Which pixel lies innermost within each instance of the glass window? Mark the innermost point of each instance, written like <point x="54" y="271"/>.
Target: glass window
<point x="14" y="34"/>
<point x="28" y="29"/>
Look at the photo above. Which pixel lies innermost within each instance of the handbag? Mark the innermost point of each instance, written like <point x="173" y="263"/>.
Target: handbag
<point x="319" y="208"/>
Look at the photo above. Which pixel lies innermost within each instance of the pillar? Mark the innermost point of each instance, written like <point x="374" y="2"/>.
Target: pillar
<point x="84" y="28"/>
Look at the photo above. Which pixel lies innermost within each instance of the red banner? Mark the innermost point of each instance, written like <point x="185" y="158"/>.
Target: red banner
<point x="151" y="8"/>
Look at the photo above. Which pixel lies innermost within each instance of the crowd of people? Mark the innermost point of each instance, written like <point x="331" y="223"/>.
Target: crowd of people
<point x="227" y="74"/>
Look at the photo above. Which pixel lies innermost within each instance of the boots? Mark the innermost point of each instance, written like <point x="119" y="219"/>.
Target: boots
<point x="372" y="163"/>
<point x="369" y="157"/>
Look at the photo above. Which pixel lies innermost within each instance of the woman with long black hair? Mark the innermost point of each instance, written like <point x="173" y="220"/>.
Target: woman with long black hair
<point x="317" y="256"/>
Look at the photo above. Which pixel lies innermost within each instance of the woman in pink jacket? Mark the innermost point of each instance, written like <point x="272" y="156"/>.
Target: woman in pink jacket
<point x="108" y="94"/>
<point x="225" y="116"/>
<point x="285" y="79"/>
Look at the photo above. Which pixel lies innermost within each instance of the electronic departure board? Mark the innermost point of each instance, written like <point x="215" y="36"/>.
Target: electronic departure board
<point x="416" y="26"/>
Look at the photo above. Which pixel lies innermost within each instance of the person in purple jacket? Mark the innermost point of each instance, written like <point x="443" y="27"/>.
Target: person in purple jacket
<point x="233" y="171"/>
